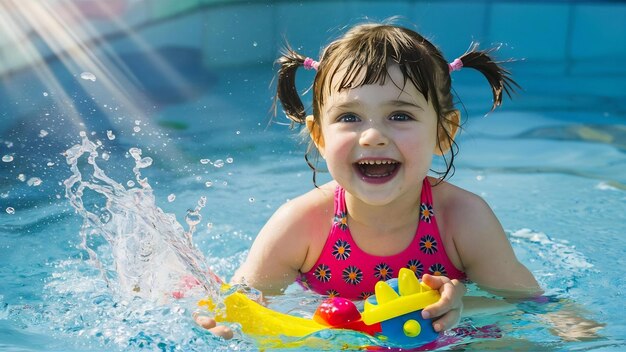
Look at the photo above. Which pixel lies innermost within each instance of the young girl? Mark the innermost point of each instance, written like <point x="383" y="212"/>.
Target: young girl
<point x="382" y="107"/>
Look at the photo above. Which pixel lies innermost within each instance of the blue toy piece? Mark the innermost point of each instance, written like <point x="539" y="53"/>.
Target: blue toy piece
<point x="397" y="306"/>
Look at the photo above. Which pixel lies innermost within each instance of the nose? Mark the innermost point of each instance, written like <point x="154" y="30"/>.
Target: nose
<point x="374" y="136"/>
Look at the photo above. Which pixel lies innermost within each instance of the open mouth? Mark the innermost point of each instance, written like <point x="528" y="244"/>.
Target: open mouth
<point x="377" y="171"/>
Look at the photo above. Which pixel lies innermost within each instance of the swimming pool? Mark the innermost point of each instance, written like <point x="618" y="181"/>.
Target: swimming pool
<point x="551" y="163"/>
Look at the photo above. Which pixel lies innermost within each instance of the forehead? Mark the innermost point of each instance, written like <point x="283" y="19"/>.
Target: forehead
<point x="345" y="85"/>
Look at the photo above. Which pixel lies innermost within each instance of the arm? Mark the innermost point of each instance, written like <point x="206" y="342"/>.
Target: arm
<point x="275" y="257"/>
<point x="477" y="244"/>
<point x="290" y="239"/>
<point x="485" y="251"/>
<point x="489" y="261"/>
<point x="277" y="253"/>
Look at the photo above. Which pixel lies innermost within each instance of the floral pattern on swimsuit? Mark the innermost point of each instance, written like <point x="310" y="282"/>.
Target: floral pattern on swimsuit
<point x="343" y="269"/>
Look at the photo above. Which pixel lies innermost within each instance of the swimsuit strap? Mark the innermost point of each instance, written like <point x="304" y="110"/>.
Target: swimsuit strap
<point x="340" y="201"/>
<point x="427" y="192"/>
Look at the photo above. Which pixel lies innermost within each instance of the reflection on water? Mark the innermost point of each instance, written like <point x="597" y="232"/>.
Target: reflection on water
<point x="614" y="135"/>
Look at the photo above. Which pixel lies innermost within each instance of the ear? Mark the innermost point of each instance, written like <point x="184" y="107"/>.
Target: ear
<point x="315" y="131"/>
<point x="451" y="124"/>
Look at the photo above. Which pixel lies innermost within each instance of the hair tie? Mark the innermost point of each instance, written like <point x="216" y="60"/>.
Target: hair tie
<point x="310" y="64"/>
<point x="455" y="65"/>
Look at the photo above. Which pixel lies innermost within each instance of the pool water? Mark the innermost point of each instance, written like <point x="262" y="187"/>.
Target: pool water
<point x="551" y="163"/>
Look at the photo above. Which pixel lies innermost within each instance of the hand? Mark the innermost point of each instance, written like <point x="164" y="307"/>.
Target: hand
<point x="570" y="324"/>
<point x="210" y="324"/>
<point x="448" y="309"/>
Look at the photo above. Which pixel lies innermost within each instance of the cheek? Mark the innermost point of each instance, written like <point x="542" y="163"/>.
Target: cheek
<point x="337" y="149"/>
<point x="337" y="146"/>
<point x="421" y="143"/>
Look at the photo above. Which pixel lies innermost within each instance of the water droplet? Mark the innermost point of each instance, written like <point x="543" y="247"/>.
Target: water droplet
<point x="218" y="163"/>
<point x="7" y="158"/>
<point x="209" y="225"/>
<point x="137" y="129"/>
<point x="255" y="44"/>
<point x="137" y="122"/>
<point x="34" y="181"/>
<point x="480" y="178"/>
<point x="144" y="162"/>
<point x="135" y="153"/>
<point x="171" y="197"/>
<point x="208" y="183"/>
<point x="202" y="202"/>
<point x="45" y="94"/>
<point x="88" y="76"/>
<point x="238" y="132"/>
<point x="105" y="217"/>
<point x="21" y="177"/>
<point x="110" y="135"/>
<point x="10" y="210"/>
<point x="251" y="199"/>
<point x="229" y="160"/>
<point x="50" y="163"/>
<point x="4" y="195"/>
<point x="204" y="161"/>
<point x="43" y="133"/>
<point x="130" y="183"/>
<point x="105" y="156"/>
<point x="193" y="217"/>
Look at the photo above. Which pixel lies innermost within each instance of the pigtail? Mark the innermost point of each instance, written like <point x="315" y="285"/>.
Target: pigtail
<point x="286" y="91"/>
<point x="499" y="78"/>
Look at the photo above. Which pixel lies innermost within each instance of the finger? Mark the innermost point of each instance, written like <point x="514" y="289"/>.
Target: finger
<point x="452" y="293"/>
<point x="222" y="331"/>
<point x="205" y="322"/>
<point x="447" y="321"/>
<point x="434" y="282"/>
<point x="443" y="305"/>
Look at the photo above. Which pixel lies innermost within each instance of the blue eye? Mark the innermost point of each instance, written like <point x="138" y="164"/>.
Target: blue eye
<point x="400" y="116"/>
<point x="348" y="118"/>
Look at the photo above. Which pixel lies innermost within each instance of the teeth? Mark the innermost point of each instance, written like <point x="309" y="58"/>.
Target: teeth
<point x="376" y="162"/>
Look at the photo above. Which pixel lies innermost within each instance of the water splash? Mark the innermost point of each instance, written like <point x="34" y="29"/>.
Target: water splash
<point x="153" y="256"/>
<point x="558" y="265"/>
<point x="568" y="256"/>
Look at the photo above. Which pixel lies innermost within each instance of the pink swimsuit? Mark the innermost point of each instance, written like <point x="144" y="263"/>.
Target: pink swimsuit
<point x="343" y="269"/>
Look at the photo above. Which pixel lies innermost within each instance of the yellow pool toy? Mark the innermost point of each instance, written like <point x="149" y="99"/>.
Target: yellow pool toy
<point x="393" y="314"/>
<point x="256" y="319"/>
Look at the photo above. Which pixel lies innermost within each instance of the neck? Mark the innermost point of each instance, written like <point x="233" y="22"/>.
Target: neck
<point x="380" y="220"/>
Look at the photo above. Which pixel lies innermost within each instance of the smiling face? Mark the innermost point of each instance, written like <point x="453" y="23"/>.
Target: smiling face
<point x="378" y="139"/>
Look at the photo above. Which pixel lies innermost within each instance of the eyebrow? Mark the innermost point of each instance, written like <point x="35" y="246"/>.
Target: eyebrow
<point x="392" y="103"/>
<point x="402" y="103"/>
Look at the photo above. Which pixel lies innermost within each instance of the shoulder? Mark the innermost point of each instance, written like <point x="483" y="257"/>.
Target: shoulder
<point x="308" y="208"/>
<point x="483" y="248"/>
<point x="301" y="222"/>
<point x="468" y="221"/>
<point x="465" y="222"/>
<point x="284" y="244"/>
<point x="458" y="206"/>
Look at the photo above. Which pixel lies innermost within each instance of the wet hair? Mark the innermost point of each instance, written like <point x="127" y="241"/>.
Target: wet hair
<point x="364" y="55"/>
